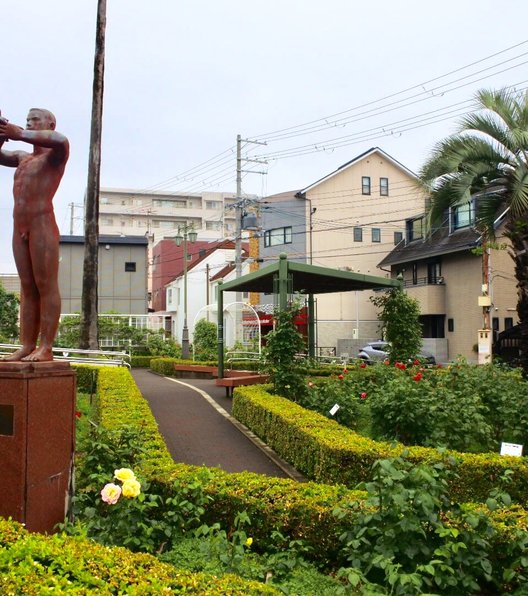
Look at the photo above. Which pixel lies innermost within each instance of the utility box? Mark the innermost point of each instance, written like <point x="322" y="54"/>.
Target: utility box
<point x="37" y="441"/>
<point x="484" y="346"/>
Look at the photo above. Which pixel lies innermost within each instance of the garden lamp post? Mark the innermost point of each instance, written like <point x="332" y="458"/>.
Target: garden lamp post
<point x="185" y="232"/>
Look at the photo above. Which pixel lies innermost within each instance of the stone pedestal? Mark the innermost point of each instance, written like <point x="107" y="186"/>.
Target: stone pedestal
<point x="37" y="441"/>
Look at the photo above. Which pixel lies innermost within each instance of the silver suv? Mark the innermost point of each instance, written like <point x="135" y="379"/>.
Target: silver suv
<point x="376" y="351"/>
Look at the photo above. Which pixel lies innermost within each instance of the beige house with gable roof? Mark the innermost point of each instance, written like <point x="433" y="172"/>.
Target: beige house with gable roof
<point x="349" y="219"/>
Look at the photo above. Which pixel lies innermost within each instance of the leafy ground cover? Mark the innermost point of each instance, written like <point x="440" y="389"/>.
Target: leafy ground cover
<point x="115" y="508"/>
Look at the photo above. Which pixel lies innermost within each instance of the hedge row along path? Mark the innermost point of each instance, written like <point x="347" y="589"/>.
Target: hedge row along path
<point x="194" y="418"/>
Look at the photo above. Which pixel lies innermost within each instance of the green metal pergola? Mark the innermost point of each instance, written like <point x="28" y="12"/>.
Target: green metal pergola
<point x="288" y="277"/>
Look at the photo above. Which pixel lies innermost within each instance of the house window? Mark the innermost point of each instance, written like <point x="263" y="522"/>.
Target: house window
<point x="130" y="266"/>
<point x="414" y="229"/>
<point x="213" y="204"/>
<point x="495" y="323"/>
<point x="278" y="236"/>
<point x="168" y="204"/>
<point x="451" y="325"/>
<point x="365" y="185"/>
<point x="462" y="216"/>
<point x="434" y="272"/>
<point x="508" y="322"/>
<point x="398" y="237"/>
<point x="213" y="225"/>
<point x="376" y="234"/>
<point x="384" y="187"/>
<point x="358" y="234"/>
<point x="415" y="273"/>
<point x="107" y="221"/>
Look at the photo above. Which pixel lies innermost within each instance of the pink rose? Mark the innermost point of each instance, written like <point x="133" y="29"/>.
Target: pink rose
<point x="111" y="493"/>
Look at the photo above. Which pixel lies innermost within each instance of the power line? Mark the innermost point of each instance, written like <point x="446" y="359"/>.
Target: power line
<point x="325" y="119"/>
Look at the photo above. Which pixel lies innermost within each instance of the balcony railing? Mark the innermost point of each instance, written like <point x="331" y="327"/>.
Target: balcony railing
<point x="424" y="281"/>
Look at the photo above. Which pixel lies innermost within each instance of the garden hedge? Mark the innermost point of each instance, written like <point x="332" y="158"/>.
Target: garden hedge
<point x="327" y="452"/>
<point x="165" y="366"/>
<point x="300" y="510"/>
<point x="58" y="564"/>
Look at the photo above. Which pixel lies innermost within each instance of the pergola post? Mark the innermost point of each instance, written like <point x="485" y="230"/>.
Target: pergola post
<point x="220" y="330"/>
<point x="311" y="326"/>
<point x="283" y="281"/>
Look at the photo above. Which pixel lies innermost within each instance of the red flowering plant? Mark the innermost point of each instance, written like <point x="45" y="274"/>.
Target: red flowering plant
<point x="345" y="390"/>
<point x="414" y="409"/>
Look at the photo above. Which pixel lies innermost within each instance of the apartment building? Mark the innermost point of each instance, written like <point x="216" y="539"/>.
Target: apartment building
<point x="157" y="214"/>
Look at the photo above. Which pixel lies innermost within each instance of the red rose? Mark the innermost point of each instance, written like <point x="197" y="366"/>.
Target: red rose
<point x="386" y="362"/>
<point x="78" y="414"/>
<point x="363" y="395"/>
<point x="363" y="365"/>
<point x="341" y="377"/>
<point x="416" y="362"/>
<point x="417" y="377"/>
<point x="345" y="370"/>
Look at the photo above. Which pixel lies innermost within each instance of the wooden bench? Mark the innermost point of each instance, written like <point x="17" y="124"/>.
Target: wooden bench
<point x="193" y="371"/>
<point x="231" y="382"/>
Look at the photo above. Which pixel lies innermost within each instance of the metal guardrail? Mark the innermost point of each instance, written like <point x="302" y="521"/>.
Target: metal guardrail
<point x="78" y="356"/>
<point x="251" y="356"/>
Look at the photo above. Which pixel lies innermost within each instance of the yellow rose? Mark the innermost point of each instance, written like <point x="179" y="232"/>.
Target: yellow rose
<point x="249" y="541"/>
<point x="124" y="474"/>
<point x="131" y="488"/>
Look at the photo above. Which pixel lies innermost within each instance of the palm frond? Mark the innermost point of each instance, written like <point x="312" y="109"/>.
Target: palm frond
<point x="519" y="193"/>
<point x="504" y="103"/>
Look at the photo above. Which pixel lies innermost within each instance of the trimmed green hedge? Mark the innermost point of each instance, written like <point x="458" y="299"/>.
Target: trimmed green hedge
<point x="327" y="452"/>
<point x="86" y="377"/>
<point x="165" y="366"/>
<point x="58" y="564"/>
<point x="300" y="510"/>
<point x="141" y="361"/>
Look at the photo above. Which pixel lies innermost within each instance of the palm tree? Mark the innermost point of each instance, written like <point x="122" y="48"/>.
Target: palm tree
<point x="487" y="160"/>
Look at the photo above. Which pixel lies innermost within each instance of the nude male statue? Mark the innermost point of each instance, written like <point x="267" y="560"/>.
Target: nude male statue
<point x="35" y="231"/>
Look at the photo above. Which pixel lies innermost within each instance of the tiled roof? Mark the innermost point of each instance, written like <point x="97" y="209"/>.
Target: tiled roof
<point x="440" y="242"/>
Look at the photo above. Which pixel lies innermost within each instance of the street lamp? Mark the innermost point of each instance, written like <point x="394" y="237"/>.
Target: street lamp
<point x="185" y="232"/>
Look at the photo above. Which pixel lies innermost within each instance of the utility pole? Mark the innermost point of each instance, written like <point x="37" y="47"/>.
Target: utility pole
<point x="72" y="207"/>
<point x="241" y="203"/>
<point x="89" y="307"/>
<point x="485" y="339"/>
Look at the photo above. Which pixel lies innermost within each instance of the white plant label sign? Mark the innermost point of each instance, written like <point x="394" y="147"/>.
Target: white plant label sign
<point x="334" y="409"/>
<point x="511" y="449"/>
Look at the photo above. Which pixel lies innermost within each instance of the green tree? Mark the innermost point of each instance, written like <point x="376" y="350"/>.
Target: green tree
<point x="399" y="316"/>
<point x="205" y="340"/>
<point x="487" y="160"/>
<point x="9" y="304"/>
<point x="283" y="343"/>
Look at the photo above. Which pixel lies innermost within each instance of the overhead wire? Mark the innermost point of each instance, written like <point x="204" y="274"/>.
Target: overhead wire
<point x="219" y="169"/>
<point x="325" y="119"/>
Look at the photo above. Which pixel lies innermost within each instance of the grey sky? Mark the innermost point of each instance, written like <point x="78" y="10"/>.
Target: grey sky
<point x="184" y="77"/>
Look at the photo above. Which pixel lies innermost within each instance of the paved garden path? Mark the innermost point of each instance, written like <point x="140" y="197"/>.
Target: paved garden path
<point x="194" y="418"/>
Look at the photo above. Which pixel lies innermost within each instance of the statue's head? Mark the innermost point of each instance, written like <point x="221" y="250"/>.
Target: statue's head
<point x="40" y="119"/>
